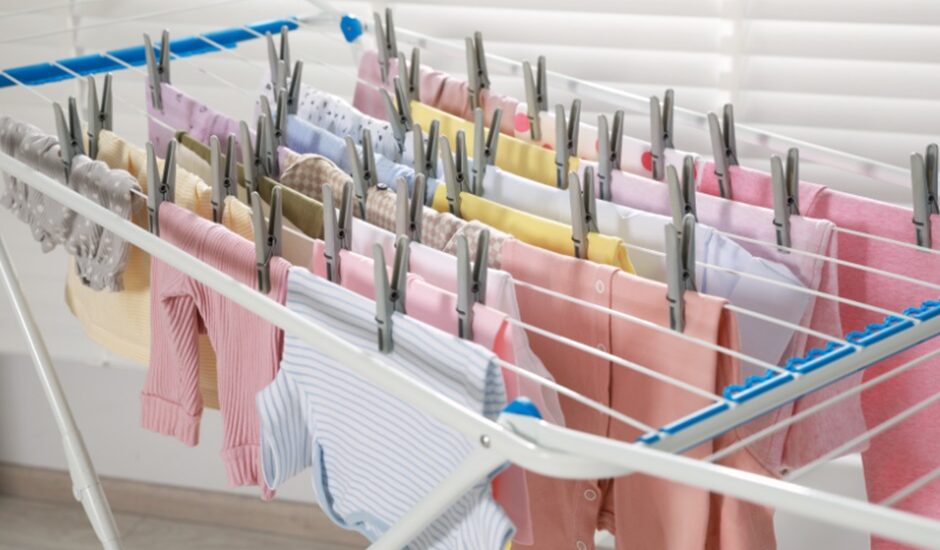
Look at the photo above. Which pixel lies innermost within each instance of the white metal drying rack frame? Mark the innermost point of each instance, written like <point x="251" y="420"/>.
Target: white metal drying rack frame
<point x="518" y="438"/>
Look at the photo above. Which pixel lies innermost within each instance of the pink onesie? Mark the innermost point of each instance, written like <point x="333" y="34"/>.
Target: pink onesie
<point x="247" y="348"/>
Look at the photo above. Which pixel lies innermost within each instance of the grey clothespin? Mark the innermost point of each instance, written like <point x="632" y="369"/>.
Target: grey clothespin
<point x="408" y="213"/>
<point x="724" y="148"/>
<point x="389" y="297"/>
<point x="100" y="115"/>
<point x="224" y="174"/>
<point x="337" y="234"/>
<point x="609" y="151"/>
<point x="456" y="176"/>
<point x="484" y="146"/>
<point x="290" y="86"/>
<point x="160" y="188"/>
<point x="279" y="61"/>
<point x="363" y="170"/>
<point x="583" y="211"/>
<point x="253" y="160"/>
<point x="271" y="132"/>
<point x="267" y="236"/>
<point x="680" y="268"/>
<point x="158" y="71"/>
<point x="924" y="185"/>
<point x="681" y="191"/>
<point x="385" y="41"/>
<point x="786" y="189"/>
<point x="398" y="114"/>
<point x="536" y="96"/>
<point x="425" y="151"/>
<point x="478" y="79"/>
<point x="661" y="132"/>
<point x="471" y="281"/>
<point x="566" y="140"/>
<point x="69" y="132"/>
<point x="410" y="75"/>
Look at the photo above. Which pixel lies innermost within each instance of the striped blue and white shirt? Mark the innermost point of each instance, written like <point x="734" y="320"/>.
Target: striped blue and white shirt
<point x="374" y="456"/>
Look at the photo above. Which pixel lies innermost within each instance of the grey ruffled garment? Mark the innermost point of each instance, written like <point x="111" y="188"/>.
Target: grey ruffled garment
<point x="100" y="256"/>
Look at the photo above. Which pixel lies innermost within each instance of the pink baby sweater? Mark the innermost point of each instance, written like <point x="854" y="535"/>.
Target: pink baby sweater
<point x="247" y="348"/>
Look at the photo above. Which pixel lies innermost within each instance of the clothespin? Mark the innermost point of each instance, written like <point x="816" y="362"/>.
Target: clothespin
<point x="292" y="86"/>
<point x="661" y="132"/>
<point x="252" y="157"/>
<point x="337" y="234"/>
<point x="160" y="188"/>
<point x="924" y="183"/>
<point x="389" y="297"/>
<point x="363" y="170"/>
<point x="100" y="115"/>
<point x="681" y="191"/>
<point x="272" y="135"/>
<point x="484" y="146"/>
<point x="680" y="268"/>
<point x="610" y="147"/>
<point x="267" y="236"/>
<point x="224" y="174"/>
<point x="566" y="140"/>
<point x="385" y="41"/>
<point x="456" y="177"/>
<point x="536" y="95"/>
<point x="158" y="71"/>
<point x="408" y="214"/>
<point x="471" y="281"/>
<point x="786" y="193"/>
<point x="279" y="61"/>
<point x="70" y="135"/>
<point x="724" y="148"/>
<point x="398" y="114"/>
<point x="410" y="75"/>
<point x="478" y="79"/>
<point x="583" y="211"/>
<point x="425" y="151"/>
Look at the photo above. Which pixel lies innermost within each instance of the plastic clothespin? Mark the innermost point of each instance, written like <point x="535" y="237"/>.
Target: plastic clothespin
<point x="924" y="183"/>
<point x="536" y="95"/>
<point x="291" y="86"/>
<point x="158" y="71"/>
<point x="385" y="41"/>
<point x="484" y="146"/>
<point x="680" y="268"/>
<point x="609" y="152"/>
<point x="224" y="174"/>
<point x="69" y="132"/>
<point x="160" y="188"/>
<point x="389" y="297"/>
<point x="100" y="115"/>
<point x="410" y="75"/>
<point x="337" y="234"/>
<point x="471" y="281"/>
<point x="456" y="177"/>
<point x="279" y="60"/>
<point x="478" y="79"/>
<point x="252" y="157"/>
<point x="583" y="211"/>
<point x="724" y="147"/>
<point x="271" y="132"/>
<point x="363" y="170"/>
<point x="398" y="114"/>
<point x="681" y="191"/>
<point x="786" y="189"/>
<point x="661" y="132"/>
<point x="409" y="214"/>
<point x="566" y="140"/>
<point x="267" y="236"/>
<point x="425" y="151"/>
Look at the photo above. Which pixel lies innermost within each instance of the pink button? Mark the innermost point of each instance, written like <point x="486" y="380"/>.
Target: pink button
<point x="522" y="122"/>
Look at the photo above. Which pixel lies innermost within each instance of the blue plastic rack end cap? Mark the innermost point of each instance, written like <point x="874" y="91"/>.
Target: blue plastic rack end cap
<point x="879" y="331"/>
<point x="351" y="27"/>
<point x="649" y="439"/>
<point x="756" y="385"/>
<point x="818" y="357"/>
<point x="523" y="406"/>
<point x="928" y="310"/>
<point x="694" y="418"/>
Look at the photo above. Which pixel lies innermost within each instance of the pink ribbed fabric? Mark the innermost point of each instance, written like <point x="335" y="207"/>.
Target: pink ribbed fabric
<point x="247" y="348"/>
<point x="911" y="449"/>
<point x="438" y="89"/>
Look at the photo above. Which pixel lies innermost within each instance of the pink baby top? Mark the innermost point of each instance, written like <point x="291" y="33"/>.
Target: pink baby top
<point x="645" y="512"/>
<point x="181" y="112"/>
<point x="247" y="348"/>
<point x="916" y="439"/>
<point x="438" y="89"/>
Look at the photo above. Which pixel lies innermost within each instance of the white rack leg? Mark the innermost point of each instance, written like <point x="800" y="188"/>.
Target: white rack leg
<point x="85" y="484"/>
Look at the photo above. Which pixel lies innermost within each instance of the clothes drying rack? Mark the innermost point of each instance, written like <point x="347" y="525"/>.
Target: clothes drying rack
<point x="518" y="436"/>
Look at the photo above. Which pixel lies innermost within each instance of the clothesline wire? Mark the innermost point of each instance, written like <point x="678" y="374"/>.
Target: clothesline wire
<point x="888" y="240"/>
<point x="911" y="488"/>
